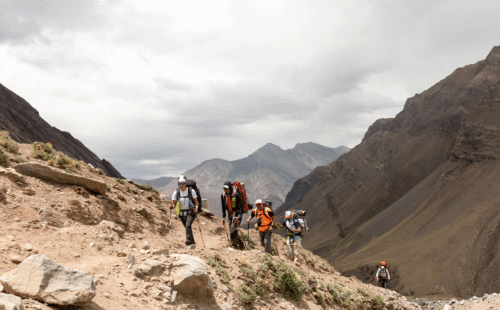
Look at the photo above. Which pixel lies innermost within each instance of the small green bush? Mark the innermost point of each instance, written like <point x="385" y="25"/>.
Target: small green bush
<point x="120" y="181"/>
<point x="4" y="159"/>
<point x="99" y="171"/>
<point x="286" y="282"/>
<point x="341" y="296"/>
<point x="376" y="300"/>
<point x="248" y="272"/>
<point x="245" y="237"/>
<point x="19" y="159"/>
<point x="43" y="151"/>
<point x="246" y="294"/>
<point x="261" y="289"/>
<point x="6" y="141"/>
<point x="219" y="269"/>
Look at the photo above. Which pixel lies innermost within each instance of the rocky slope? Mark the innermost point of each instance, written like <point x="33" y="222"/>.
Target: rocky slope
<point x="25" y="125"/>
<point x="114" y="237"/>
<point x="269" y="172"/>
<point x="420" y="191"/>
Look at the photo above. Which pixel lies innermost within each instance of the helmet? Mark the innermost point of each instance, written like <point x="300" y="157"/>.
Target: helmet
<point x="288" y="214"/>
<point x="182" y="179"/>
<point x="383" y="264"/>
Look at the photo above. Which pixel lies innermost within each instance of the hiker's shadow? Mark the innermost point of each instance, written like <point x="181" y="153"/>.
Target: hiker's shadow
<point x="88" y="306"/>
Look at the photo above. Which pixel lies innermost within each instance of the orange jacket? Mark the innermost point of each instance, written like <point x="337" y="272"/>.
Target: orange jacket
<point x="265" y="218"/>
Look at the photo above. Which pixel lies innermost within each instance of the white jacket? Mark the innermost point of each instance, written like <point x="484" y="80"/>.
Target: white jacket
<point x="386" y="270"/>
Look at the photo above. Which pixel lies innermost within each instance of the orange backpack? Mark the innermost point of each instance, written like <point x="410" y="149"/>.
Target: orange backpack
<point x="243" y="195"/>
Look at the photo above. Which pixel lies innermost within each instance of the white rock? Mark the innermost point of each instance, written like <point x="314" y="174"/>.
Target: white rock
<point x="190" y="276"/>
<point x="40" y="278"/>
<point x="10" y="302"/>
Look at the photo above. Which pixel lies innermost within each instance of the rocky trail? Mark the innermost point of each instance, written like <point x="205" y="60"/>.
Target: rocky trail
<point x="110" y="250"/>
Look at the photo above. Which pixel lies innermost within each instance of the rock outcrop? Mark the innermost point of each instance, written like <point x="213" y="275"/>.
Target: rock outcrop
<point x="25" y="125"/>
<point x="58" y="176"/>
<point x="40" y="278"/>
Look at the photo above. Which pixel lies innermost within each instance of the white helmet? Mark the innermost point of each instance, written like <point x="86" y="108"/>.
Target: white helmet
<point x="288" y="214"/>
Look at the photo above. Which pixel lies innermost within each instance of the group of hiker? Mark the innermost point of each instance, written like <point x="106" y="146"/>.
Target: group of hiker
<point x="234" y="205"/>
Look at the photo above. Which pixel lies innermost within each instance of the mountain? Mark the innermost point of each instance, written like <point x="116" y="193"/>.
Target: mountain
<point x="269" y="172"/>
<point x="25" y="125"/>
<point x="420" y="191"/>
<point x="155" y="183"/>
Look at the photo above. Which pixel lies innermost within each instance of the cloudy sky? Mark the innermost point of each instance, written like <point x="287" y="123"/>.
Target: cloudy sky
<point x="156" y="87"/>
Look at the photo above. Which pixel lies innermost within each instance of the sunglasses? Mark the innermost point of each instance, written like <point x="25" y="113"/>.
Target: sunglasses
<point x="182" y="184"/>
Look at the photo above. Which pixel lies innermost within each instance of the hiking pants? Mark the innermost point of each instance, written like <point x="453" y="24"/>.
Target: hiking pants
<point x="293" y="248"/>
<point x="382" y="282"/>
<point x="236" y="241"/>
<point x="187" y="221"/>
<point x="265" y="240"/>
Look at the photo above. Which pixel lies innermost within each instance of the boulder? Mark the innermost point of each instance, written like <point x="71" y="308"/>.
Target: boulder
<point x="13" y="175"/>
<point x="10" y="302"/>
<point x="48" y="173"/>
<point x="190" y="276"/>
<point x="150" y="267"/>
<point x="40" y="278"/>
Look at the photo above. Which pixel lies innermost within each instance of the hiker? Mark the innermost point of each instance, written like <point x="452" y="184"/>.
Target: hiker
<point x="265" y="221"/>
<point x="383" y="275"/>
<point x="231" y="203"/>
<point x="186" y="200"/>
<point x="293" y="230"/>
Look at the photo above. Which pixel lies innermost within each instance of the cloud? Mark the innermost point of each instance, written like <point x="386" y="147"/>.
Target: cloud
<point x="157" y="87"/>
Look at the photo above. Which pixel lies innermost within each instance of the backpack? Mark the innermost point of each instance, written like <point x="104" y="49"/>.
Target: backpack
<point x="237" y="186"/>
<point x="383" y="272"/>
<point x="303" y="225"/>
<point x="191" y="184"/>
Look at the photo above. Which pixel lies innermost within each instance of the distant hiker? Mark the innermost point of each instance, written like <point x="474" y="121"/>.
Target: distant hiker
<point x="293" y="229"/>
<point x="231" y="203"/>
<point x="186" y="201"/>
<point x="265" y="221"/>
<point x="383" y="275"/>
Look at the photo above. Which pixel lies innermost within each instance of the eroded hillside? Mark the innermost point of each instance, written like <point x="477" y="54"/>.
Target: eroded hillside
<point x="420" y="191"/>
<point x="95" y="233"/>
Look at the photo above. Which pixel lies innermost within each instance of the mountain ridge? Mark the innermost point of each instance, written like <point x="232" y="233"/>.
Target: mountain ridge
<point x="412" y="176"/>
<point x="268" y="172"/>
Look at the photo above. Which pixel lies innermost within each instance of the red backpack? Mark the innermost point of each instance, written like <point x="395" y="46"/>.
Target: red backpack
<point x="243" y="195"/>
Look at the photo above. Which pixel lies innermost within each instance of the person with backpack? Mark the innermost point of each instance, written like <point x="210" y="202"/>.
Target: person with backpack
<point x="383" y="275"/>
<point x="186" y="201"/>
<point x="293" y="230"/>
<point x="265" y="221"/>
<point x="231" y="203"/>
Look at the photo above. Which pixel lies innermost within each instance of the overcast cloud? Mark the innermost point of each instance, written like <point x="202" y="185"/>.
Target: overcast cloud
<point x="157" y="87"/>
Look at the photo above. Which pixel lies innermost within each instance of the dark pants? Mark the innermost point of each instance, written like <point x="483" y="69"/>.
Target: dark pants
<point x="265" y="240"/>
<point x="236" y="241"/>
<point x="187" y="219"/>
<point x="382" y="282"/>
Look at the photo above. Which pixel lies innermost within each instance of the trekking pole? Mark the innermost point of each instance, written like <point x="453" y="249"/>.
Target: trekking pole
<point x="248" y="234"/>
<point x="170" y="233"/>
<point x="199" y="227"/>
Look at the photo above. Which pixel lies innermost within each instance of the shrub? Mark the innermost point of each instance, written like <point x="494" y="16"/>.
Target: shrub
<point x="6" y="141"/>
<point x="248" y="272"/>
<point x="63" y="162"/>
<point x="43" y="151"/>
<point x="219" y="269"/>
<point x="120" y="181"/>
<point x="246" y="294"/>
<point x="376" y="301"/>
<point x="286" y="282"/>
<point x="321" y="299"/>
<point x="341" y="296"/>
<point x="4" y="159"/>
<point x="261" y="289"/>
<point x="99" y="171"/>
<point x="19" y="159"/>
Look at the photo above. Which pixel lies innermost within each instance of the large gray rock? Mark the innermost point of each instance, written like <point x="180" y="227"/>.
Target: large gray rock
<point x="48" y="173"/>
<point x="40" y="278"/>
<point x="190" y="276"/>
<point x="10" y="302"/>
